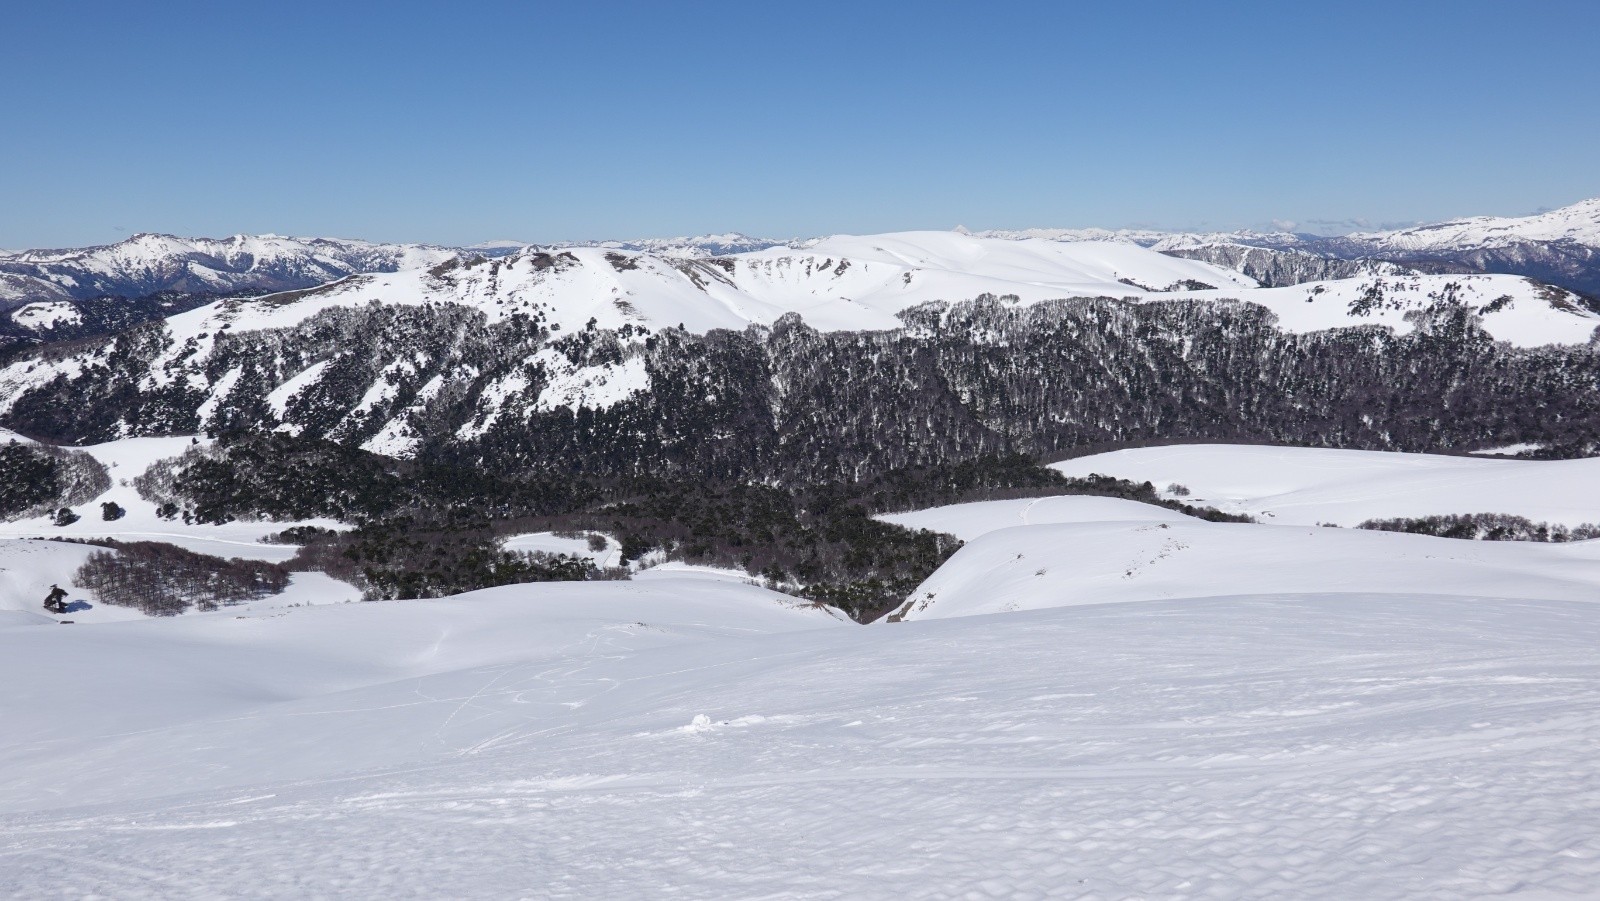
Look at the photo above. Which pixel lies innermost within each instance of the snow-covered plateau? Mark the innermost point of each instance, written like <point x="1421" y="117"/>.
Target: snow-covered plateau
<point x="1094" y="698"/>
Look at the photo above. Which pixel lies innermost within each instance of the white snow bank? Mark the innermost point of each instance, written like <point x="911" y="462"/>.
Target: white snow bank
<point x="551" y="543"/>
<point x="1514" y="309"/>
<point x="968" y="521"/>
<point x="677" y="569"/>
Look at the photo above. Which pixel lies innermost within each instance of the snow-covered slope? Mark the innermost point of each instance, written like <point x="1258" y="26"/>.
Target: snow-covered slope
<point x="1038" y="566"/>
<point x="1304" y="486"/>
<point x="1513" y="309"/>
<point x="30" y="564"/>
<point x="608" y="557"/>
<point x="28" y="569"/>
<point x="623" y="741"/>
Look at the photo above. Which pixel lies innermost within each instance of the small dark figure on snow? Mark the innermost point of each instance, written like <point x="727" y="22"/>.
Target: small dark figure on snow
<point x="56" y="600"/>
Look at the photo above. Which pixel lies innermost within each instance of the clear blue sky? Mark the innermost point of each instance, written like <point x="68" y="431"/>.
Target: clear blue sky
<point x="456" y="123"/>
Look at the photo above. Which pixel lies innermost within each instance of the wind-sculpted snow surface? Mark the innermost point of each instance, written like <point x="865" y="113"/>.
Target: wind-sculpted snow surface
<point x="1305" y="486"/>
<point x="1352" y="746"/>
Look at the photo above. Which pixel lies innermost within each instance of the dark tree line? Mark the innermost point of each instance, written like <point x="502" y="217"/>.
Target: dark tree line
<point x="957" y="382"/>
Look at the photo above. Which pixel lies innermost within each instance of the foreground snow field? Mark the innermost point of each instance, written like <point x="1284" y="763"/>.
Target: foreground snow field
<point x="704" y="741"/>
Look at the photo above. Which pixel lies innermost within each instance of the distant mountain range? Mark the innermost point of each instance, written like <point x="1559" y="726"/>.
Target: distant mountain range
<point x="148" y="264"/>
<point x="1561" y="247"/>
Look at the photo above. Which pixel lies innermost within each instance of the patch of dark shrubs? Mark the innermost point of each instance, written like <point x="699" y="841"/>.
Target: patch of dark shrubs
<point x="165" y="580"/>
<point x="1484" y="527"/>
<point x="30" y="478"/>
<point x="403" y="558"/>
<point x="301" y="535"/>
<point x="41" y="479"/>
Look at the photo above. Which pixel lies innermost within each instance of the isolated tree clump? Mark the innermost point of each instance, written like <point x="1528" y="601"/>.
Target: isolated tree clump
<point x="165" y="580"/>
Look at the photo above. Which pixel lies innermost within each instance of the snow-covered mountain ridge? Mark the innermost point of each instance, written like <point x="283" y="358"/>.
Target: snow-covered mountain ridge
<point x="1578" y="223"/>
<point x="148" y="263"/>
<point x="386" y="359"/>
<point x="866" y="282"/>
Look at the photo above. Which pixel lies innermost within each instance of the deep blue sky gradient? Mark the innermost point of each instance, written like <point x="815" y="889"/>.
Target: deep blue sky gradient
<point x="465" y="122"/>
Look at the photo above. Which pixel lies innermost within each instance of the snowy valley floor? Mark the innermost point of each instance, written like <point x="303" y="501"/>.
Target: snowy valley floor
<point x="692" y="739"/>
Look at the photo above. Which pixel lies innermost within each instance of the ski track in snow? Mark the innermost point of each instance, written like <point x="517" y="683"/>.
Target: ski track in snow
<point x="1363" y="746"/>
